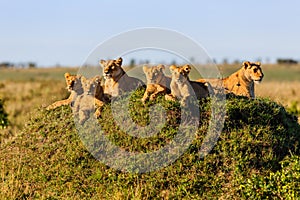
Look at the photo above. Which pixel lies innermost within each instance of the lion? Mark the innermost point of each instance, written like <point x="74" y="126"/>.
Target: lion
<point x="92" y="97"/>
<point x="241" y="82"/>
<point x="157" y="82"/>
<point x="74" y="86"/>
<point x="184" y="89"/>
<point x="117" y="81"/>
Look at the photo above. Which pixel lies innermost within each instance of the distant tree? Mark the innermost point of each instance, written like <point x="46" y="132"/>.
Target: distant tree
<point x="173" y="62"/>
<point x="144" y="62"/>
<point x="3" y="116"/>
<point x="31" y="65"/>
<point x="192" y="59"/>
<point x="286" y="61"/>
<point x="6" y="65"/>
<point x="259" y="59"/>
<point x="236" y="62"/>
<point x="132" y="62"/>
<point x="225" y="61"/>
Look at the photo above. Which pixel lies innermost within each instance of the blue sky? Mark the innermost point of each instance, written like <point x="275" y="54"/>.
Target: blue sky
<point x="65" y="32"/>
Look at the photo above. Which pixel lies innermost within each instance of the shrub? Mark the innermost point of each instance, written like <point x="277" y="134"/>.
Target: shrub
<point x="282" y="184"/>
<point x="3" y="116"/>
<point x="251" y="159"/>
<point x="293" y="109"/>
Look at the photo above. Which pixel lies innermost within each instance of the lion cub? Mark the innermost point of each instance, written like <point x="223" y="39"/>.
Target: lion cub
<point x="184" y="89"/>
<point x="91" y="97"/>
<point x="240" y="82"/>
<point x="117" y="81"/>
<point x="157" y="82"/>
<point x="74" y="86"/>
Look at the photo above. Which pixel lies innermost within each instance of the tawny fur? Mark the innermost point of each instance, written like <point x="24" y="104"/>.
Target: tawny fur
<point x="117" y="81"/>
<point x="91" y="99"/>
<point x="74" y="86"/>
<point x="157" y="82"/>
<point x="182" y="88"/>
<point x="242" y="81"/>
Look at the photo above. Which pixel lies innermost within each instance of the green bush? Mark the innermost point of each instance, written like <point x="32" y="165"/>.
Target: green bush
<point x="251" y="159"/>
<point x="3" y="116"/>
<point x="293" y="109"/>
<point x="282" y="184"/>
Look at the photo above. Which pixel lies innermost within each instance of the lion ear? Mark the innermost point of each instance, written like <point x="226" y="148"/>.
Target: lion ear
<point x="187" y="68"/>
<point x="119" y="61"/>
<point x="102" y="62"/>
<point x="97" y="79"/>
<point x="83" y="79"/>
<point x="161" y="67"/>
<point x="145" y="68"/>
<point x="172" y="67"/>
<point x="67" y="75"/>
<point x="246" y="64"/>
<point x="79" y="76"/>
<point x="258" y="63"/>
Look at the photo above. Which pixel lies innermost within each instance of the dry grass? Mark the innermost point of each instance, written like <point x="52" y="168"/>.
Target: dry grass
<point x="21" y="99"/>
<point x="25" y="90"/>
<point x="283" y="92"/>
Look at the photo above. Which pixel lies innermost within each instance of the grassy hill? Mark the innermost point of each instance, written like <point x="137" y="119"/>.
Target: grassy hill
<point x="256" y="157"/>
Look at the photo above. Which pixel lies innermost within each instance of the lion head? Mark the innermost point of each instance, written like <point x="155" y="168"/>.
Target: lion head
<point x="91" y="86"/>
<point x="112" y="68"/>
<point x="73" y="82"/>
<point x="253" y="71"/>
<point x="154" y="74"/>
<point x="180" y="74"/>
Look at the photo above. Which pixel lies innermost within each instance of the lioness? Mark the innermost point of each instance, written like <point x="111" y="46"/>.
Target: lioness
<point x="181" y="86"/>
<point x="157" y="82"/>
<point x="74" y="86"/>
<point x="241" y="82"/>
<point x="92" y="96"/>
<point x="116" y="80"/>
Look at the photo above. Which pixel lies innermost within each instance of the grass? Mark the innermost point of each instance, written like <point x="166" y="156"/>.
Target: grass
<point x="24" y="90"/>
<point x="21" y="97"/>
<point x="49" y="160"/>
<point x="35" y="74"/>
<point x="287" y="93"/>
<point x="42" y="155"/>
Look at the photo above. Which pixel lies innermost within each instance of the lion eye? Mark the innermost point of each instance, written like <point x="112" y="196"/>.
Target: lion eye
<point x="255" y="70"/>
